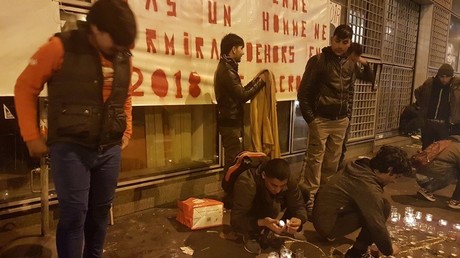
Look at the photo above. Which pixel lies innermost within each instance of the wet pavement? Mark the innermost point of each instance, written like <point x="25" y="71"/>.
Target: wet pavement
<point x="156" y="232"/>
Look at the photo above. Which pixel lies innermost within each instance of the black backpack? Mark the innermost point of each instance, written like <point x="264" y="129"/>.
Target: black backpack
<point x="243" y="161"/>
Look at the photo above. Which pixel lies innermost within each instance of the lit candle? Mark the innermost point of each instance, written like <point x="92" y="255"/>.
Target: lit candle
<point x="442" y="222"/>
<point x="456" y="226"/>
<point x="429" y="217"/>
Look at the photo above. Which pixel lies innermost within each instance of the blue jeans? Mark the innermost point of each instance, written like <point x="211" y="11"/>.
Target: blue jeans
<point x="85" y="181"/>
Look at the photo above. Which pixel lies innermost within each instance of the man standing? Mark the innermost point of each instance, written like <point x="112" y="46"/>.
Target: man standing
<point x="259" y="197"/>
<point x="231" y="96"/>
<point x="363" y="72"/>
<point x="353" y="199"/>
<point x="434" y="99"/>
<point x="88" y="74"/>
<point x="325" y="97"/>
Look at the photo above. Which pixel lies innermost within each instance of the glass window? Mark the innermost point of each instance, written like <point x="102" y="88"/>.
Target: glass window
<point x="284" y="122"/>
<point x="170" y="138"/>
<point x="299" y="131"/>
<point x="453" y="43"/>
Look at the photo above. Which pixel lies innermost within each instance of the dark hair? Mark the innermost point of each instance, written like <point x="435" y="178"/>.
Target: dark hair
<point x="229" y="41"/>
<point x="390" y="156"/>
<point x="277" y="168"/>
<point x="356" y="48"/>
<point x="343" y="32"/>
<point x="116" y="18"/>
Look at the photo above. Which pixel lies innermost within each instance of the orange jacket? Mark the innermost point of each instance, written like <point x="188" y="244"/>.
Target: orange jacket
<point x="47" y="60"/>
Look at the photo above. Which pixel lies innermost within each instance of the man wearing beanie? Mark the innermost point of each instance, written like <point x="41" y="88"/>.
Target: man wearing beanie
<point x="433" y="98"/>
<point x="88" y="72"/>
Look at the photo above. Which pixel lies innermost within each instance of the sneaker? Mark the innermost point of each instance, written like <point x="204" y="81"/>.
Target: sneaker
<point x="454" y="204"/>
<point x="427" y="195"/>
<point x="252" y="246"/>
<point x="351" y="253"/>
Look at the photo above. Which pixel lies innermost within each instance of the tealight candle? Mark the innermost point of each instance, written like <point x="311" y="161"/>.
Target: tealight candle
<point x="442" y="222"/>
<point x="456" y="226"/>
<point x="429" y="217"/>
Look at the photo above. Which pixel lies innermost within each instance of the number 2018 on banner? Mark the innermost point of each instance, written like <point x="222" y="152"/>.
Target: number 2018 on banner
<point x="159" y="83"/>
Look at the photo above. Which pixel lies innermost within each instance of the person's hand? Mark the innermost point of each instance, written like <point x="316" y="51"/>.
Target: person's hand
<point x="262" y="77"/>
<point x="362" y="60"/>
<point x="124" y="142"/>
<point x="37" y="148"/>
<point x="272" y="224"/>
<point x="293" y="225"/>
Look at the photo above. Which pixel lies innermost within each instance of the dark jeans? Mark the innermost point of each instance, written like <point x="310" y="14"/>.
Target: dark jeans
<point x="232" y="144"/>
<point x="433" y="131"/>
<point x="85" y="182"/>
<point x="348" y="222"/>
<point x="433" y="184"/>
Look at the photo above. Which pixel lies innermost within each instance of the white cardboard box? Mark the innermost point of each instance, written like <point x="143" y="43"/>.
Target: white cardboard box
<point x="200" y="213"/>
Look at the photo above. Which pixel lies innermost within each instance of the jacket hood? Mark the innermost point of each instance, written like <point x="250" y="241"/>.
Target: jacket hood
<point x="360" y="169"/>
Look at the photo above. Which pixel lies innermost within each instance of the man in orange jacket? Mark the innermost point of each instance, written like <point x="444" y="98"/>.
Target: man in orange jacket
<point x="88" y="72"/>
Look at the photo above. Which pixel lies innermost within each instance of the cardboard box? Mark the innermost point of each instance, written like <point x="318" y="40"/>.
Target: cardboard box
<point x="200" y="213"/>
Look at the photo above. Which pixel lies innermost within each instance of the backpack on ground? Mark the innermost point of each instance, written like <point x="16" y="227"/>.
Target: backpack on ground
<point x="243" y="161"/>
<point x="426" y="156"/>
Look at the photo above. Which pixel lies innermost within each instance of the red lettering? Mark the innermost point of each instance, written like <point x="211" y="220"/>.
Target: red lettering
<point x="304" y="6"/>
<point x="275" y="54"/>
<point x="267" y="53"/>
<point x="198" y="45"/>
<point x="169" y="45"/>
<point x="186" y="44"/>
<point x="153" y="2"/>
<point x="150" y="35"/>
<point x="227" y="16"/>
<point x="316" y="34"/>
<point x="212" y="12"/>
<point x="290" y="81"/>
<point x="298" y="79"/>
<point x="291" y="54"/>
<point x="258" y="58"/>
<point x="249" y="54"/>
<point x="304" y="29"/>
<point x="177" y="77"/>
<point x="214" y="50"/>
<point x="285" y="27"/>
<point x="171" y="12"/>
<point x="265" y="21"/>
<point x="282" y="77"/>
<point x="285" y="3"/>
<point x="276" y="23"/>
<point x="194" y="89"/>
<point x="138" y="83"/>
<point x="159" y="83"/>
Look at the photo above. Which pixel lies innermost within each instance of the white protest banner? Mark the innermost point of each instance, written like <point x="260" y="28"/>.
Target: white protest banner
<point x="178" y="45"/>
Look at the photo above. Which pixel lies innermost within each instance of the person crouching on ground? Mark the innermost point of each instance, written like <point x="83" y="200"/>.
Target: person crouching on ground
<point x="353" y="199"/>
<point x="259" y="196"/>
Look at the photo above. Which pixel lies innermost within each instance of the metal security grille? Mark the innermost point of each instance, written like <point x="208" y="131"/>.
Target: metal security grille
<point x="364" y="108"/>
<point x="400" y="39"/>
<point x="438" y="37"/>
<point x="394" y="94"/>
<point x="366" y="19"/>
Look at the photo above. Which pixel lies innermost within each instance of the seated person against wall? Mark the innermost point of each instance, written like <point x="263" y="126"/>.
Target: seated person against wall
<point x="259" y="197"/>
<point x="442" y="171"/>
<point x="354" y="199"/>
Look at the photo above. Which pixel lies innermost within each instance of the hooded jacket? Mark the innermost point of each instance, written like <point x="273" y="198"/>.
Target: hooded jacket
<point x="252" y="201"/>
<point x="356" y="190"/>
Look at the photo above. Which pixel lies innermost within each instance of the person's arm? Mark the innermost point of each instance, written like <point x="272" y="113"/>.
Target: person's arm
<point x="295" y="202"/>
<point x="371" y="206"/>
<point x="29" y="84"/>
<point x="366" y="73"/>
<point x="129" y="116"/>
<point x="244" y="192"/>
<point x="309" y="89"/>
<point x="236" y="89"/>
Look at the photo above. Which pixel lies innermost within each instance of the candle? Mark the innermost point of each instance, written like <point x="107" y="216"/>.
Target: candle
<point x="429" y="217"/>
<point x="442" y="222"/>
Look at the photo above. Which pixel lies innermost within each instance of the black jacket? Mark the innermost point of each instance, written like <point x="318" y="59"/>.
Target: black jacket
<point x="76" y="111"/>
<point x="230" y="94"/>
<point x="327" y="86"/>
<point x="356" y="190"/>
<point x="252" y="201"/>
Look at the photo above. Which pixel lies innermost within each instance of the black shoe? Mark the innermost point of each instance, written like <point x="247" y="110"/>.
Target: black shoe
<point x="352" y="253"/>
<point x="252" y="246"/>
